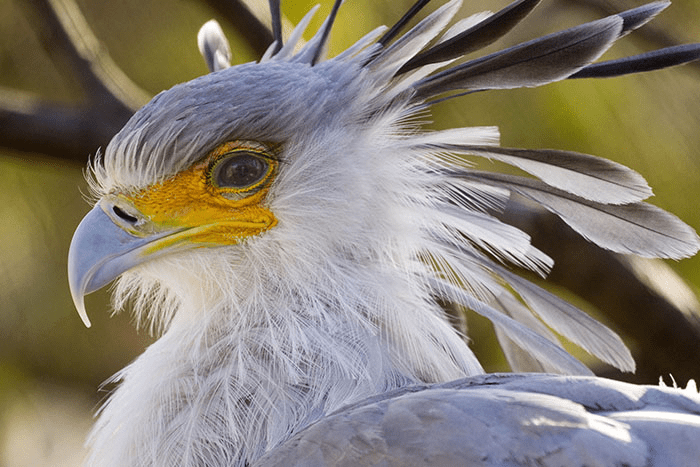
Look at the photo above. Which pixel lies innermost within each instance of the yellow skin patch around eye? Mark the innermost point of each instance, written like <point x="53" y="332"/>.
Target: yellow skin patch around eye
<point x="197" y="211"/>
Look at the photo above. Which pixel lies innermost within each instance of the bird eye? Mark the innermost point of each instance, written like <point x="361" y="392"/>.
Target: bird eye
<point x="240" y="170"/>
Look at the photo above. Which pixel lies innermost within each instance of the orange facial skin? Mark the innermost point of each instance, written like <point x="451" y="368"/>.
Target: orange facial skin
<point x="196" y="210"/>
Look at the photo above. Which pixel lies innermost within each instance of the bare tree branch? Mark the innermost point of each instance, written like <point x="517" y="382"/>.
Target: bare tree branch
<point x="31" y="124"/>
<point x="72" y="132"/>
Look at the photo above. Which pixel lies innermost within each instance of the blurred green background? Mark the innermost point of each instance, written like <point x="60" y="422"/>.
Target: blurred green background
<point x="51" y="366"/>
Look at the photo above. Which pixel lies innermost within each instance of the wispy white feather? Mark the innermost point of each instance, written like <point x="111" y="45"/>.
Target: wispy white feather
<point x="214" y="46"/>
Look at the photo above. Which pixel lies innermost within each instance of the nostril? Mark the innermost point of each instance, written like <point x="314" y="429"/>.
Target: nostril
<point x="124" y="215"/>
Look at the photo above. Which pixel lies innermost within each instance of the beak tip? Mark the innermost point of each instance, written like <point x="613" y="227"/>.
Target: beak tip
<point x="78" y="295"/>
<point x="79" y="302"/>
<point x="83" y="315"/>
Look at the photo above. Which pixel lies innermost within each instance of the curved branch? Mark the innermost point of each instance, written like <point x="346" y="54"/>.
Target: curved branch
<point x="64" y="31"/>
<point x="31" y="124"/>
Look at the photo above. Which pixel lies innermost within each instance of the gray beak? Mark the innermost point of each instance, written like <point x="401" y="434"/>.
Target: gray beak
<point x="100" y="251"/>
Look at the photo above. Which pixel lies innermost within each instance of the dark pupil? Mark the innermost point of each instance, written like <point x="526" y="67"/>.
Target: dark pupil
<point x="241" y="171"/>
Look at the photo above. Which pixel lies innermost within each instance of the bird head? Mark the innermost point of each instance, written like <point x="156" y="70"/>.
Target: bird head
<point x="298" y="178"/>
<point x="231" y="163"/>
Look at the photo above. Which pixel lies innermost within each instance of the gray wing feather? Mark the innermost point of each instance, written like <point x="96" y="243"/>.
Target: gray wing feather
<point x="518" y="358"/>
<point x="497" y="25"/>
<point x="562" y="316"/>
<point x="638" y="17"/>
<point x="506" y="421"/>
<point x="649" y="61"/>
<point x="393" y="57"/>
<point x="541" y="348"/>
<point x="276" y="23"/>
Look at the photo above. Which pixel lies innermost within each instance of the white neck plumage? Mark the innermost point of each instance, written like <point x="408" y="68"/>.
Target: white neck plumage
<point x="223" y="385"/>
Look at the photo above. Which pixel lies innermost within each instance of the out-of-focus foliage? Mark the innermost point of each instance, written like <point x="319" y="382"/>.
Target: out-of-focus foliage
<point x="51" y="366"/>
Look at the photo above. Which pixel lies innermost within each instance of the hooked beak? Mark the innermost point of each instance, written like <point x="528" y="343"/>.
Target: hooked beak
<point x="116" y="236"/>
<point x="100" y="251"/>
